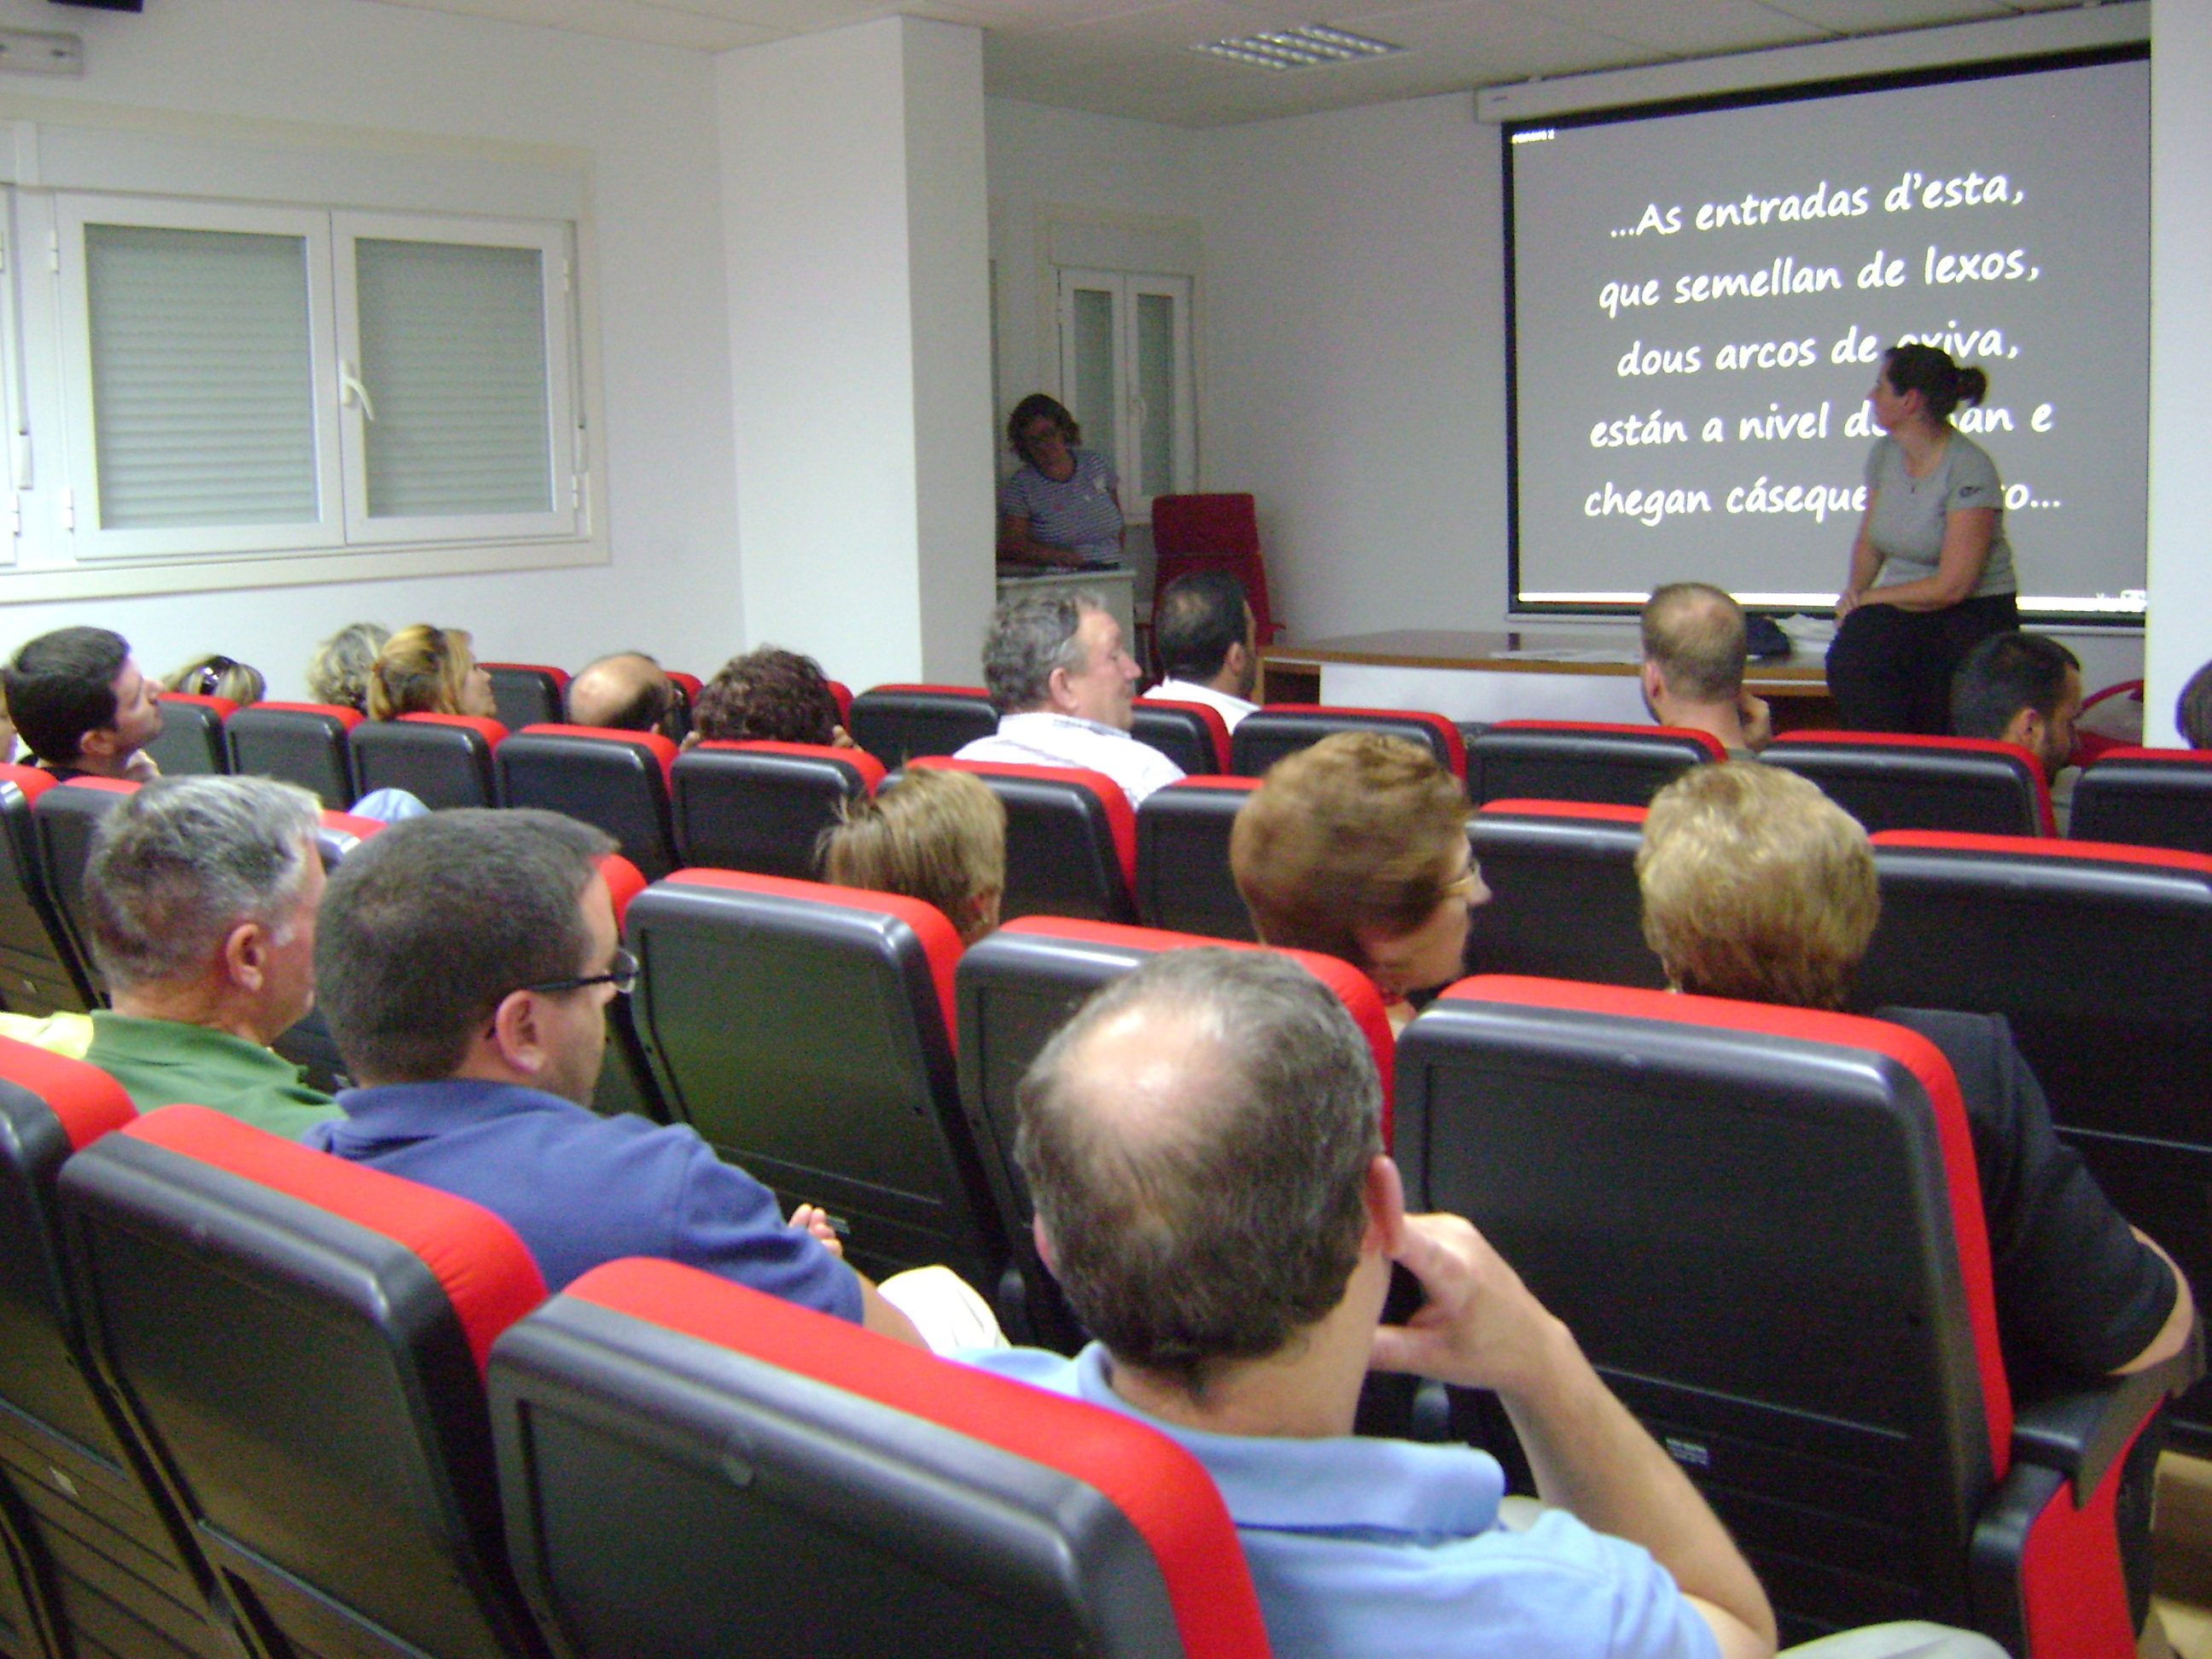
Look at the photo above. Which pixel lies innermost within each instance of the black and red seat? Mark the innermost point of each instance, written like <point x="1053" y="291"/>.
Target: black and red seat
<point x="1071" y="839"/>
<point x="1563" y="899"/>
<point x="762" y="807"/>
<point x="1193" y="735"/>
<point x="65" y="819"/>
<point x="1764" y="1226"/>
<point x="1597" y="761"/>
<point x="2147" y="798"/>
<point x="616" y="780"/>
<point x="692" y="1466"/>
<point x="300" y="1340"/>
<point x="1896" y="781"/>
<point x="302" y="742"/>
<point x="1265" y="736"/>
<point x="191" y="739"/>
<point x="442" y="760"/>
<point x="39" y="971"/>
<point x="1185" y="883"/>
<point x="805" y="1031"/>
<point x="897" y="723"/>
<point x="528" y="692"/>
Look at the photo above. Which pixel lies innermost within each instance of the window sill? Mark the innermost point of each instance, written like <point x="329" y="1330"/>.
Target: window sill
<point x="89" y="580"/>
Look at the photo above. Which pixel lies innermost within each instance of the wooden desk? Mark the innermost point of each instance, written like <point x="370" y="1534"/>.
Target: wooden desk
<point x="1470" y="675"/>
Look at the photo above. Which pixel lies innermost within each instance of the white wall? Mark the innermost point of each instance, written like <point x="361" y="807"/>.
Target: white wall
<point x="2180" y="356"/>
<point x="646" y="116"/>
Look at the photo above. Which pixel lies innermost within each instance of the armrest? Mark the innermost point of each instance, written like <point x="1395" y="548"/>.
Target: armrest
<point x="2079" y="1434"/>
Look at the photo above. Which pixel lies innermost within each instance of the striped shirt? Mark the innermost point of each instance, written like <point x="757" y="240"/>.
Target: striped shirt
<point x="1077" y="512"/>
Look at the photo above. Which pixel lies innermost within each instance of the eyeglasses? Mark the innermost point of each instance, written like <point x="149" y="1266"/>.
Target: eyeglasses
<point x="209" y="674"/>
<point x="1464" y="887"/>
<point x="622" y="973"/>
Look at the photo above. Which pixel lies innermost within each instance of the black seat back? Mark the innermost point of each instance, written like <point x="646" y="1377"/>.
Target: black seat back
<point x="1191" y="734"/>
<point x="616" y="780"/>
<point x="302" y="742"/>
<point x="1563" y="900"/>
<point x="1891" y="780"/>
<point x="895" y="723"/>
<point x="39" y="973"/>
<point x="191" y="739"/>
<point x="1184" y="882"/>
<point x="65" y="819"/>
<point x="442" y="760"/>
<point x="1071" y="839"/>
<point x="1266" y="736"/>
<point x="1581" y="761"/>
<point x="528" y="692"/>
<point x="805" y="1031"/>
<point x="762" y="807"/>
<point x="2147" y="798"/>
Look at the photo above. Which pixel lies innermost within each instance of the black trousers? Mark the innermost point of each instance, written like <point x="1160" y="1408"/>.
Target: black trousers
<point x="1890" y="670"/>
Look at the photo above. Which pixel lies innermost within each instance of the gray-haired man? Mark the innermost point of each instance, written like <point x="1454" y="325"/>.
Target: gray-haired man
<point x="201" y="893"/>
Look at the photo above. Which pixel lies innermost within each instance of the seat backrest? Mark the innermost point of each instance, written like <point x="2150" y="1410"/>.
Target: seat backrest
<point x="1191" y="734"/>
<point x="688" y="687"/>
<point x="1071" y="839"/>
<point x="1563" y="899"/>
<point x="1896" y="780"/>
<point x="884" y="1501"/>
<point x="65" y="819"/>
<point x="1184" y="882"/>
<point x="2147" y="798"/>
<point x="331" y="1447"/>
<point x="191" y="739"/>
<point x="528" y="692"/>
<point x="1218" y="532"/>
<point x="1020" y="985"/>
<point x="1582" y="760"/>
<point x="2098" y="956"/>
<point x="302" y="742"/>
<point x="616" y="780"/>
<point x="805" y="1031"/>
<point x="763" y="806"/>
<point x="39" y="973"/>
<point x="338" y="833"/>
<point x="1283" y="728"/>
<point x="1764" y="1226"/>
<point x="442" y="760"/>
<point x="115" y="1556"/>
<point x="896" y="723"/>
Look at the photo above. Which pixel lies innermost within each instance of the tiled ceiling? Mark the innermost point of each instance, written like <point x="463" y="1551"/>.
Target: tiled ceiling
<point x="1132" y="57"/>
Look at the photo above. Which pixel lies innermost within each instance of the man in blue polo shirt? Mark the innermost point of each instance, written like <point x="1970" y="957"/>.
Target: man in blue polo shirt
<point x="465" y="960"/>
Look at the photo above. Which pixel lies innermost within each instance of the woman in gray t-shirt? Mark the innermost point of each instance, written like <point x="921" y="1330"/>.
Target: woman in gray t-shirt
<point x="1063" y="505"/>
<point x="1933" y="535"/>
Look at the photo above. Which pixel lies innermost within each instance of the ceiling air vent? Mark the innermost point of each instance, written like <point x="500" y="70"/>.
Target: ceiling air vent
<point x="1308" y="46"/>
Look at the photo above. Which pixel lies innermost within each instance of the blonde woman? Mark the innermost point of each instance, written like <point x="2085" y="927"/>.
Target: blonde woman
<point x="939" y="836"/>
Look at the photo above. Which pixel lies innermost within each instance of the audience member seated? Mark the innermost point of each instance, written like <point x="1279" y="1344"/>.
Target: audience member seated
<point x="82" y="705"/>
<point x="1757" y="886"/>
<point x="2192" y="710"/>
<point x="7" y="728"/>
<point x="628" y="691"/>
<point x="2024" y="689"/>
<point x="939" y="836"/>
<point x="1204" y="1148"/>
<point x="200" y="895"/>
<point x="428" y="670"/>
<point x="466" y="960"/>
<point x="769" y="695"/>
<point x="1207" y="644"/>
<point x="218" y="676"/>
<point x="338" y="673"/>
<point x="1357" y="847"/>
<point x="1062" y="683"/>
<point x="1694" y="659"/>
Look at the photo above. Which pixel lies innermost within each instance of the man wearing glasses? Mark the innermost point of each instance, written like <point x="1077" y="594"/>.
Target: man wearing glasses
<point x="466" y="960"/>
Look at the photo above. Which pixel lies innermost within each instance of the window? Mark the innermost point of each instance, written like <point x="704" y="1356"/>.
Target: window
<point x="1125" y="373"/>
<point x="240" y="378"/>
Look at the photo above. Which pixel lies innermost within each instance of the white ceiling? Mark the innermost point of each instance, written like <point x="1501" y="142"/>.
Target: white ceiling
<point x="1132" y="57"/>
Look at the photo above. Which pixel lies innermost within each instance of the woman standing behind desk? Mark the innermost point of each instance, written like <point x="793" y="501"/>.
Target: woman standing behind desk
<point x="1063" y="505"/>
<point x="1935" y="521"/>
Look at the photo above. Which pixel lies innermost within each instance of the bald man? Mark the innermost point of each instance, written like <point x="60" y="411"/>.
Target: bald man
<point x="626" y="692"/>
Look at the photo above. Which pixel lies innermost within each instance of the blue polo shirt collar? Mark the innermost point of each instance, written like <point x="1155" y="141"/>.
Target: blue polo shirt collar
<point x="415" y="1111"/>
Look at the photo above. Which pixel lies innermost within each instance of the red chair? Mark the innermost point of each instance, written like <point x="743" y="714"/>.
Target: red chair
<point x="1283" y="728"/>
<point x="690" y="1467"/>
<point x="1895" y="781"/>
<point x="442" y="760"/>
<point x="1193" y="735"/>
<point x="1071" y="839"/>
<point x="2147" y="798"/>
<point x="1592" y="760"/>
<point x="65" y="820"/>
<point x="300" y="1340"/>
<point x="1563" y="898"/>
<point x="1184" y="881"/>
<point x="1764" y="1226"/>
<point x="897" y="723"/>
<point x="761" y="805"/>
<point x="39" y="970"/>
<point x="528" y="692"/>
<point x="1212" y="532"/>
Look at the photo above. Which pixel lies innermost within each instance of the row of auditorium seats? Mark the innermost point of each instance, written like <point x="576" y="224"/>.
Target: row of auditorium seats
<point x="657" y="1463"/>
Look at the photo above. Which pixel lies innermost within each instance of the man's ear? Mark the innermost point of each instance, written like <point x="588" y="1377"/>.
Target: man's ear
<point x="2026" y="729"/>
<point x="1043" y="1243"/>
<point x="101" y="742"/>
<point x="245" y="956"/>
<point x="1383" y="1193"/>
<point x="1655" y="683"/>
<point x="1057" y="691"/>
<point x="519" y="1034"/>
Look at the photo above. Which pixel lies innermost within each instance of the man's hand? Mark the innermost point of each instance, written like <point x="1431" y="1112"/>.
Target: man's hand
<point x="141" y="767"/>
<point x="813" y="1218"/>
<point x="1480" y="1326"/>
<point x="1757" y="720"/>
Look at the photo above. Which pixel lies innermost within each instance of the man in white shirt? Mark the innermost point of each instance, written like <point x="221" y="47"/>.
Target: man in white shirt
<point x="1208" y="644"/>
<point x="1062" y="683"/>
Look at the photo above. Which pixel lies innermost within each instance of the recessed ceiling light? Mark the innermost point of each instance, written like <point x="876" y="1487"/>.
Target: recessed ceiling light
<point x="1308" y="46"/>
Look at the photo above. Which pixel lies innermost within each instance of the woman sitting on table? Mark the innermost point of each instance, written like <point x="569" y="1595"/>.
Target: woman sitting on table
<point x="1063" y="505"/>
<point x="1357" y="847"/>
<point x="1935" y="523"/>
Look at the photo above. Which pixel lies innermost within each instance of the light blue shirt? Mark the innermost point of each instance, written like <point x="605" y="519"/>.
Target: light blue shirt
<point x="1361" y="1547"/>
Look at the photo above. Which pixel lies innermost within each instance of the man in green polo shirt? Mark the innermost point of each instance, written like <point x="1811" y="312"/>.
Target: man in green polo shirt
<point x="201" y="893"/>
